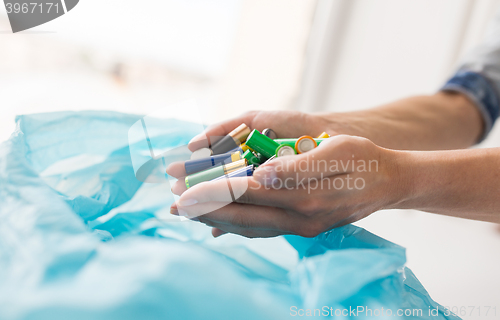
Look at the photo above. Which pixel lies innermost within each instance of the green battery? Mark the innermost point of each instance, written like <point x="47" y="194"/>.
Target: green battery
<point x="251" y="158"/>
<point x="262" y="144"/>
<point x="213" y="173"/>
<point x="261" y="157"/>
<point x="291" y="142"/>
<point x="285" y="150"/>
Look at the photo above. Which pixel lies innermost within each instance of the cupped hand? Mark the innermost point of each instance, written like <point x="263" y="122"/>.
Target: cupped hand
<point x="343" y="180"/>
<point x="286" y="124"/>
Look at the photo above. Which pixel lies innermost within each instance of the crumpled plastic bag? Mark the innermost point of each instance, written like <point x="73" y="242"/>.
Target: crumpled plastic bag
<point x="82" y="238"/>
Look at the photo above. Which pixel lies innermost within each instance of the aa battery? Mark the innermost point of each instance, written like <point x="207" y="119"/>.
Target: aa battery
<point x="262" y="144"/>
<point x="232" y="140"/>
<point x="292" y="142"/>
<point x="213" y="173"/>
<point x="243" y="172"/>
<point x="270" y="133"/>
<point x="193" y="166"/>
<point x="305" y="143"/>
<point x="285" y="150"/>
<point x="252" y="158"/>
<point x="324" y="135"/>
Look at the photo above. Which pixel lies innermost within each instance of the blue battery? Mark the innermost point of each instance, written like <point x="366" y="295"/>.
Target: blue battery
<point x="197" y="165"/>
<point x="243" y="172"/>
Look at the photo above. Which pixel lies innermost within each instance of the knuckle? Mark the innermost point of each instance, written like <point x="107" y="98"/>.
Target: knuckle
<point x="345" y="144"/>
<point x="310" y="229"/>
<point x="349" y="142"/>
<point x="363" y="142"/>
<point x="279" y="178"/>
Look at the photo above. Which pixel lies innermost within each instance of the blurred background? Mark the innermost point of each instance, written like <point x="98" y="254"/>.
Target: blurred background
<point x="240" y="55"/>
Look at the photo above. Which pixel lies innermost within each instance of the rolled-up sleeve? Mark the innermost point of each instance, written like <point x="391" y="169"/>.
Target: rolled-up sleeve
<point x="478" y="76"/>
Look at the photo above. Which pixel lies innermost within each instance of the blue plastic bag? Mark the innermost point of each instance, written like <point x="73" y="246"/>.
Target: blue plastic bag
<point x="82" y="238"/>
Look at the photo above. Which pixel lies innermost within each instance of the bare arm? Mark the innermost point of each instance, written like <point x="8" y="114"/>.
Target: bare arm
<point x="282" y="198"/>
<point x="460" y="183"/>
<point x="437" y="122"/>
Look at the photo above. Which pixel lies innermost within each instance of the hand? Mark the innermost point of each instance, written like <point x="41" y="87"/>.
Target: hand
<point x="286" y="124"/>
<point x="303" y="194"/>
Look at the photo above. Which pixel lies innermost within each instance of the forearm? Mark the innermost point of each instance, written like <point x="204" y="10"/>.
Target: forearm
<point x="436" y="122"/>
<point x="461" y="183"/>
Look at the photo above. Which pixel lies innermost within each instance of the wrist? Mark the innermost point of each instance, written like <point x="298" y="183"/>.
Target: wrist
<point x="407" y="179"/>
<point x="423" y="178"/>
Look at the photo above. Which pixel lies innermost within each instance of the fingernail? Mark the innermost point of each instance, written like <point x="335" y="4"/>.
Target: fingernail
<point x="187" y="202"/>
<point x="266" y="175"/>
<point x="174" y="211"/>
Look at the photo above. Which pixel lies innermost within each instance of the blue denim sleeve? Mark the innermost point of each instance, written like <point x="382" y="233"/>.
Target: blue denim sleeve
<point x="479" y="90"/>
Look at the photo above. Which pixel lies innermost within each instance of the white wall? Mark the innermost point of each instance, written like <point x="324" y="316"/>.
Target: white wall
<point x="391" y="49"/>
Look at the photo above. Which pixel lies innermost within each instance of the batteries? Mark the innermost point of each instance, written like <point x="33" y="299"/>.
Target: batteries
<point x="292" y="142"/>
<point x="285" y="150"/>
<point x="252" y="158"/>
<point x="241" y="151"/>
<point x="300" y="145"/>
<point x="213" y="173"/>
<point x="243" y="172"/>
<point x="270" y="133"/>
<point x="197" y="165"/>
<point x="304" y="144"/>
<point x="262" y="144"/>
<point x="232" y="140"/>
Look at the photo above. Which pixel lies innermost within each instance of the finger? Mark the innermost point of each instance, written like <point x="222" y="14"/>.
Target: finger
<point x="219" y="130"/>
<point x="245" y="216"/>
<point x="220" y="228"/>
<point x="334" y="156"/>
<point x="248" y="233"/>
<point x="179" y="187"/>
<point x="173" y="209"/>
<point x="216" y="232"/>
<point x="210" y="191"/>
<point x="310" y="196"/>
<point x="244" y="190"/>
<point x="176" y="169"/>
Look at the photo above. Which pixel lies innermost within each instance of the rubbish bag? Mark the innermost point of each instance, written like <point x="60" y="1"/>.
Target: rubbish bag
<point x="82" y="238"/>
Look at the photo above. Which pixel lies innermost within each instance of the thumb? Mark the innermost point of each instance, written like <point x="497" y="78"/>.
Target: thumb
<point x="332" y="157"/>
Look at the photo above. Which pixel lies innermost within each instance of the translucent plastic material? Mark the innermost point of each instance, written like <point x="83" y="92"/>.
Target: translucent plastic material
<point x="82" y="238"/>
